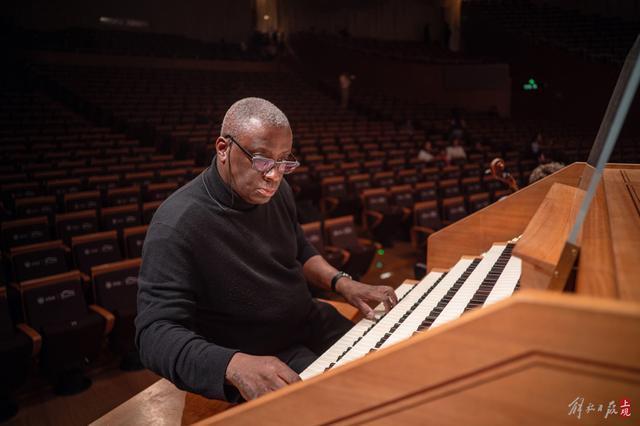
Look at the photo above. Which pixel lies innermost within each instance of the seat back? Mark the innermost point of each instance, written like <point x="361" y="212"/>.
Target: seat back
<point x="159" y="191"/>
<point x="95" y="249"/>
<point x="68" y="225"/>
<point x="426" y="213"/>
<point x="24" y="231"/>
<point x="453" y="209"/>
<point x="53" y="299"/>
<point x="359" y="182"/>
<point x="471" y="185"/>
<point x="478" y="201"/>
<point x="120" y="217"/>
<point x="426" y="191"/>
<point x="38" y="260"/>
<point x="35" y="206"/>
<point x="123" y="196"/>
<point x="383" y="179"/>
<point x="334" y="186"/>
<point x="134" y="240"/>
<point x="115" y="285"/>
<point x="376" y="199"/>
<point x="449" y="188"/>
<point x="313" y="233"/>
<point x="79" y="201"/>
<point x="402" y="195"/>
<point x="341" y="232"/>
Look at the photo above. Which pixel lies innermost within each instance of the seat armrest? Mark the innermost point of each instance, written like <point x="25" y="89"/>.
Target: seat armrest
<point x="376" y="219"/>
<point x="328" y="204"/>
<point x="109" y="318"/>
<point x="36" y="338"/>
<point x="345" y="253"/>
<point x="419" y="230"/>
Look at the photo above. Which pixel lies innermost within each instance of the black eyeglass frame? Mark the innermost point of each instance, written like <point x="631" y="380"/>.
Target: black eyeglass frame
<point x="281" y="165"/>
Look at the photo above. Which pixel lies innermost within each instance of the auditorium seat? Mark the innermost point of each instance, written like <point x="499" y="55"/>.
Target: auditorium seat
<point x="35" y="206"/>
<point x="115" y="287"/>
<point x="471" y="185"/>
<point x="159" y="191"/>
<point x="123" y="195"/>
<point x="38" y="260"/>
<point x="426" y="221"/>
<point x="19" y="343"/>
<point x="24" y="231"/>
<point x="453" y="209"/>
<point x="449" y="188"/>
<point x="84" y="200"/>
<point x="133" y="239"/>
<point x="478" y="201"/>
<point x="426" y="191"/>
<point x="95" y="249"/>
<point x="69" y="225"/>
<point x="71" y="331"/>
<point x="341" y="232"/>
<point x="117" y="218"/>
<point x="336" y="256"/>
<point x="335" y="200"/>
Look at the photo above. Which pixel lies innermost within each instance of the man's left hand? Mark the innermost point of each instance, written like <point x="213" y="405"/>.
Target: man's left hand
<point x="358" y="294"/>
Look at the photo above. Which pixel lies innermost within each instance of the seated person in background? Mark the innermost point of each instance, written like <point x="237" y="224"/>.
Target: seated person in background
<point x="455" y="153"/>
<point x="546" y="167"/>
<point x="427" y="153"/>
<point x="223" y="305"/>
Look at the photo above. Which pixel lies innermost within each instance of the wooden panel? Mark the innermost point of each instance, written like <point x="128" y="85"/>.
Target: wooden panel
<point x="544" y="238"/>
<point x="162" y="404"/>
<point x="624" y="220"/>
<point x="501" y="221"/>
<point x="596" y="272"/>
<point x="575" y="330"/>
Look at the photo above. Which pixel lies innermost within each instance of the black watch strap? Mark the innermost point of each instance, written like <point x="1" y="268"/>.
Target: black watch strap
<point x="336" y="277"/>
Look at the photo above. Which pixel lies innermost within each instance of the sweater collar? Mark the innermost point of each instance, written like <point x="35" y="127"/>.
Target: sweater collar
<point x="223" y="192"/>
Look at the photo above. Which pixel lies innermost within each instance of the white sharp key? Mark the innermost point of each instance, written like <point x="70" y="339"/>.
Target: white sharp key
<point x="461" y="299"/>
<point x="332" y="354"/>
<point x="411" y="323"/>
<point x="507" y="281"/>
<point x="383" y="326"/>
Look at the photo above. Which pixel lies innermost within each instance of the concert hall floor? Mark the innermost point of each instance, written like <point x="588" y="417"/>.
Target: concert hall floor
<point x="111" y="387"/>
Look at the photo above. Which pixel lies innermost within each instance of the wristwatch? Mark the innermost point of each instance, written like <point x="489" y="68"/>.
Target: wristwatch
<point x="336" y="277"/>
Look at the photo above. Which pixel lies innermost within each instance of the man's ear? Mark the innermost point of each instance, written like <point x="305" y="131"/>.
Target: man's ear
<point x="222" y="149"/>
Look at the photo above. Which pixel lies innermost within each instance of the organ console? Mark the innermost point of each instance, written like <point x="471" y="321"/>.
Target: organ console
<point x="524" y="317"/>
<point x="484" y="338"/>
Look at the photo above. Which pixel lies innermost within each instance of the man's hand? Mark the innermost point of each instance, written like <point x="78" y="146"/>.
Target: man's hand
<point x="256" y="375"/>
<point x="358" y="294"/>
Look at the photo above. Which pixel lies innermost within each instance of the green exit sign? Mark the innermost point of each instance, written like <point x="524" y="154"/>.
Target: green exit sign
<point x="530" y="85"/>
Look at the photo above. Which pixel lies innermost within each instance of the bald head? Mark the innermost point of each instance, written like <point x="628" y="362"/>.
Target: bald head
<point x="249" y="113"/>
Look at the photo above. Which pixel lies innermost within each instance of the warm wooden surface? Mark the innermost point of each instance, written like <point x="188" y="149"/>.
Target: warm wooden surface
<point x="596" y="273"/>
<point x="500" y="221"/>
<point x="624" y="223"/>
<point x="545" y="236"/>
<point x="520" y="361"/>
<point x="162" y="404"/>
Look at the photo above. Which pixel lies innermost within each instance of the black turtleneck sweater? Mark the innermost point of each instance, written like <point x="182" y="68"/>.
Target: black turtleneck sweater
<point x="219" y="275"/>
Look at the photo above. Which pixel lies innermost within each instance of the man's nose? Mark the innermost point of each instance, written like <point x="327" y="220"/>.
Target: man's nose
<point x="274" y="174"/>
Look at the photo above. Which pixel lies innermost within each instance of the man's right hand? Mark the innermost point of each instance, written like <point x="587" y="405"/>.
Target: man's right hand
<point x="254" y="376"/>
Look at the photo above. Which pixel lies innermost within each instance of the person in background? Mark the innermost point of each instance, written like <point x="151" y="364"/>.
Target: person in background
<point x="455" y="152"/>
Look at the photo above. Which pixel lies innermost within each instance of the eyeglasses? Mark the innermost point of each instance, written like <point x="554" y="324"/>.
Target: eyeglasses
<point x="265" y="165"/>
